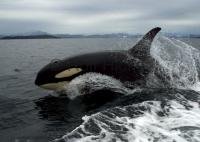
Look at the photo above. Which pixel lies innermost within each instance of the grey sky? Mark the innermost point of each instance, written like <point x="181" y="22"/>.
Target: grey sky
<point x="99" y="16"/>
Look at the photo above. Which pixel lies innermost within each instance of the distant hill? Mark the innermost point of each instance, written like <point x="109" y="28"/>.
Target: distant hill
<point x="44" y="35"/>
<point x="36" y="33"/>
<point x="30" y="37"/>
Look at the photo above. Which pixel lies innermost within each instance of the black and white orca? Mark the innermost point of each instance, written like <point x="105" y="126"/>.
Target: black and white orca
<point x="130" y="65"/>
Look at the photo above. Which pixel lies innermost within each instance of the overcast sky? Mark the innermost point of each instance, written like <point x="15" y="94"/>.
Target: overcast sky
<point x="99" y="16"/>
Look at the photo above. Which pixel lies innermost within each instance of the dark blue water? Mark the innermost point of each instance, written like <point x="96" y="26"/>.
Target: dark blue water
<point x="28" y="113"/>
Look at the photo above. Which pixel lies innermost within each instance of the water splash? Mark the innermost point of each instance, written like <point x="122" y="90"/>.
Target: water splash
<point x="177" y="61"/>
<point x="90" y="82"/>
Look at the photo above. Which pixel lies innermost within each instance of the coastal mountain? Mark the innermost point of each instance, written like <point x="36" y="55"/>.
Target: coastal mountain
<point x="30" y="35"/>
<point x="45" y="35"/>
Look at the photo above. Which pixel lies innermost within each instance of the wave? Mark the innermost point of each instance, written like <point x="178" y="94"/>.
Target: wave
<point x="164" y="116"/>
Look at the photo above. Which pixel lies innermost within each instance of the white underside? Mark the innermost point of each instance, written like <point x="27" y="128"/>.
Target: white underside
<point x="59" y="86"/>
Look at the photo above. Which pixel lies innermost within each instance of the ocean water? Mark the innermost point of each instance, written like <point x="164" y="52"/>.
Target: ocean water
<point x="166" y="110"/>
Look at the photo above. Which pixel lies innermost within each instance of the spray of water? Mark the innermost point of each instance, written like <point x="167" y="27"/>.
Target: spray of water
<point x="90" y="82"/>
<point x="177" y="63"/>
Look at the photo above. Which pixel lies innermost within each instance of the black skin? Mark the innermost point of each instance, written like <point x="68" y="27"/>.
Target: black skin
<point x="131" y="65"/>
<point x="118" y="64"/>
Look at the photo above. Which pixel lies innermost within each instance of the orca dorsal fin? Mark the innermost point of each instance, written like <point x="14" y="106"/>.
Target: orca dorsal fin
<point x="142" y="49"/>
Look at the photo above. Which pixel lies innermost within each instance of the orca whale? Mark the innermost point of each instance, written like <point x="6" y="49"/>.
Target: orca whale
<point x="131" y="65"/>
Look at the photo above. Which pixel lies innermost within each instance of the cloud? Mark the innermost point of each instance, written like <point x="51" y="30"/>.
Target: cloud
<point x="94" y="16"/>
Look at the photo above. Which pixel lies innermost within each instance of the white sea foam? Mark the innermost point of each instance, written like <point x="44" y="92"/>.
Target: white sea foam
<point x="91" y="82"/>
<point x="196" y="87"/>
<point x="179" y="124"/>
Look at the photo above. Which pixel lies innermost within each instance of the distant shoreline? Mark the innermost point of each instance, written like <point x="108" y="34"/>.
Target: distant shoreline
<point x="29" y="37"/>
<point x="86" y="36"/>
